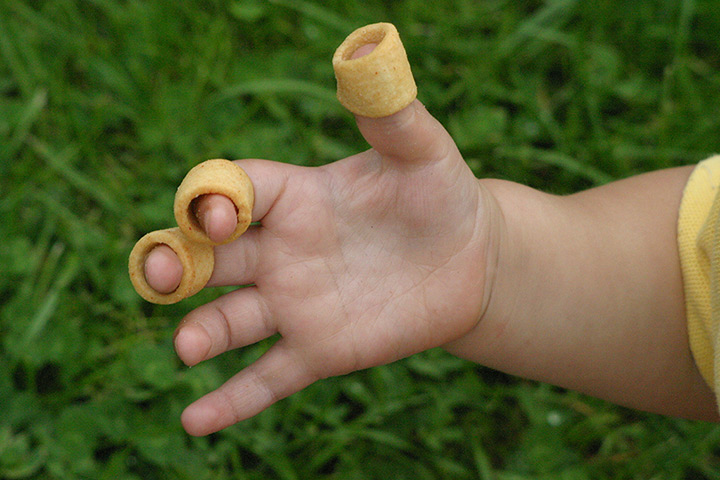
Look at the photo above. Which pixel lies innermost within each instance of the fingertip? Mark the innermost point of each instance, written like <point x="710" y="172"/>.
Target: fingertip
<point x="209" y="414"/>
<point x="221" y="222"/>
<point x="363" y="50"/>
<point x="192" y="344"/>
<point x="163" y="269"/>
<point x="199" y="418"/>
<point x="217" y="216"/>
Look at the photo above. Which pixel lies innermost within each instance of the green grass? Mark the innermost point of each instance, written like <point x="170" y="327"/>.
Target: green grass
<point x="105" y="104"/>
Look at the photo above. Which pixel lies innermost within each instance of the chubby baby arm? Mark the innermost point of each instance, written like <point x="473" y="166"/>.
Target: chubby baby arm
<point x="588" y="295"/>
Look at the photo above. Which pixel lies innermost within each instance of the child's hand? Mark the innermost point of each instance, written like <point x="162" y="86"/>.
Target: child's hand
<point x="355" y="264"/>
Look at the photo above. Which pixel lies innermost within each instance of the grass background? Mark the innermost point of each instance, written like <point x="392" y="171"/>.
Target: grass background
<point x="105" y="104"/>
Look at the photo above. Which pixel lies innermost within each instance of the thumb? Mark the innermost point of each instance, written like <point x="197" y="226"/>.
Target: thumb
<point x="410" y="137"/>
<point x="375" y="83"/>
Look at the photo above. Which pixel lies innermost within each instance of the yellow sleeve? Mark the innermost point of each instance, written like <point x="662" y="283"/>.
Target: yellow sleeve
<point x="699" y="248"/>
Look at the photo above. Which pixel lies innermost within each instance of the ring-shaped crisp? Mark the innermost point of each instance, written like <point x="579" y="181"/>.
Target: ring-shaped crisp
<point x="215" y="176"/>
<point x="197" y="259"/>
<point x="380" y="83"/>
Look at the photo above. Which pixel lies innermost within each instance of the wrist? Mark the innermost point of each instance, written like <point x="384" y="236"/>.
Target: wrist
<point x="522" y="223"/>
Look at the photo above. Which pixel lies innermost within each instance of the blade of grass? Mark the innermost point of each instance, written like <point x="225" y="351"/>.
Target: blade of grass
<point x="18" y="458"/>
<point x="36" y="260"/>
<point x="42" y="24"/>
<point x="383" y="438"/>
<point x="324" y="16"/>
<point x="682" y="35"/>
<point x="10" y="55"/>
<point x="279" y="86"/>
<point x="556" y="159"/>
<point x="74" y="227"/>
<point x="59" y="162"/>
<point x="543" y="26"/>
<point x="25" y="121"/>
<point x="482" y="461"/>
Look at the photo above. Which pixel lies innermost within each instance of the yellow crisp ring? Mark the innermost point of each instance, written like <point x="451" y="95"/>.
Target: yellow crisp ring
<point x="380" y="83"/>
<point x="214" y="176"/>
<point x="198" y="261"/>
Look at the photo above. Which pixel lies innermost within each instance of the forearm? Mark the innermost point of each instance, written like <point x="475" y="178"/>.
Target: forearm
<point x="587" y="294"/>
